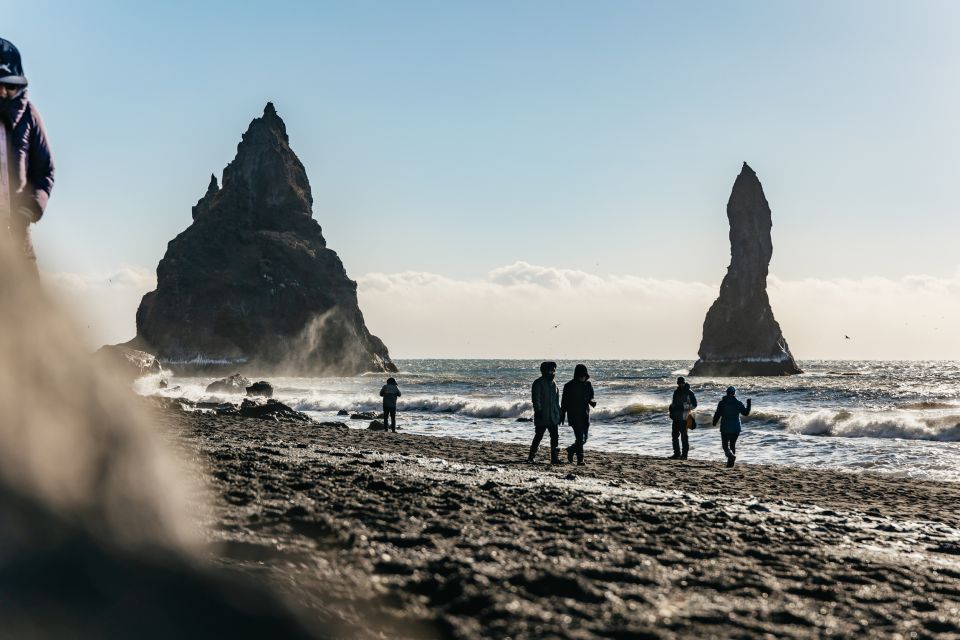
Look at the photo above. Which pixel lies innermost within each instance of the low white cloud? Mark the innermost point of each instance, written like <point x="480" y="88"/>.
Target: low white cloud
<point x="513" y="312"/>
<point x="104" y="304"/>
<point x="525" y="310"/>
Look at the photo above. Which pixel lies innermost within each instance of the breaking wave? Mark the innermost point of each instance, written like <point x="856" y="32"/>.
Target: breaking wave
<point x="845" y="424"/>
<point x="471" y="407"/>
<point x="929" y="404"/>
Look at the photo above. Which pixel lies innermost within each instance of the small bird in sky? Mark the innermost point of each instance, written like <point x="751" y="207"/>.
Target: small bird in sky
<point x="555" y="326"/>
<point x="846" y="336"/>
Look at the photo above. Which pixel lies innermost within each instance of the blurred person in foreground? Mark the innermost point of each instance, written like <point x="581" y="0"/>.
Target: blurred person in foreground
<point x="26" y="162"/>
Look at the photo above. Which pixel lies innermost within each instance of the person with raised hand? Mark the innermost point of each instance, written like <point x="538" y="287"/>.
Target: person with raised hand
<point x="728" y="415"/>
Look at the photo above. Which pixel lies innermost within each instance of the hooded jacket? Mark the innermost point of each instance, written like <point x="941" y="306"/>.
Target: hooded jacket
<point x="728" y="414"/>
<point x="546" y="402"/>
<point x="681" y="395"/>
<point x="31" y="165"/>
<point x="575" y="402"/>
<point x="390" y="393"/>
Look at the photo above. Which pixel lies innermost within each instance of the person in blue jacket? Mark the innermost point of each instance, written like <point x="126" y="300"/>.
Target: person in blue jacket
<point x="26" y="162"/>
<point x="728" y="415"/>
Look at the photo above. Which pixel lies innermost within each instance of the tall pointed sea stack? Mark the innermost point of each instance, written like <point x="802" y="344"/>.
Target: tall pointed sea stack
<point x="252" y="282"/>
<point x="740" y="335"/>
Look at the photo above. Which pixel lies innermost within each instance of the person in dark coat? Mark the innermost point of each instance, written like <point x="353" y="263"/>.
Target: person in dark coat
<point x="546" y="412"/>
<point x="26" y="162"/>
<point x="728" y="415"/>
<point x="681" y="405"/>
<point x="575" y="404"/>
<point x="390" y="392"/>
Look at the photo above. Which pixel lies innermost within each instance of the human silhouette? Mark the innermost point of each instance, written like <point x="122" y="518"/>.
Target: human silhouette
<point x="728" y="415"/>
<point x="26" y="162"/>
<point x="575" y="407"/>
<point x="681" y="405"/>
<point x="390" y="392"/>
<point x="546" y="411"/>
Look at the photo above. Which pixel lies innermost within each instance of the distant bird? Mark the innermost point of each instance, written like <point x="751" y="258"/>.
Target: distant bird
<point x="847" y="337"/>
<point x="555" y="326"/>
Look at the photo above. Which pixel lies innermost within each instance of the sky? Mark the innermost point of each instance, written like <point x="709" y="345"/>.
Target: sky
<point x="487" y="170"/>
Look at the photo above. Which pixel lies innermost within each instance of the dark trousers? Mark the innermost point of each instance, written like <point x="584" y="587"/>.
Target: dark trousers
<point x="679" y="435"/>
<point x="729" y="441"/>
<point x="580" y="433"/>
<point x="390" y="412"/>
<point x="538" y="436"/>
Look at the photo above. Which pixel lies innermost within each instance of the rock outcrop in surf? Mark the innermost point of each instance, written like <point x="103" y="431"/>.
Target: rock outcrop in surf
<point x="252" y="282"/>
<point x="740" y="335"/>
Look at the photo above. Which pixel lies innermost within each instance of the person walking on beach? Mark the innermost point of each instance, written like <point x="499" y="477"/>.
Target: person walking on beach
<point x="546" y="411"/>
<point x="728" y="415"/>
<point x="390" y="392"/>
<point x="26" y="162"/>
<point x="575" y="406"/>
<point x="680" y="407"/>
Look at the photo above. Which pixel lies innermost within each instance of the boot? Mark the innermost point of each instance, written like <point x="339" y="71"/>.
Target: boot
<point x="570" y="454"/>
<point x="533" y="453"/>
<point x="730" y="461"/>
<point x="555" y="456"/>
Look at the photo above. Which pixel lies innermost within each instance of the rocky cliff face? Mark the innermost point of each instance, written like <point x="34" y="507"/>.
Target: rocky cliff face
<point x="740" y="335"/>
<point x="252" y="281"/>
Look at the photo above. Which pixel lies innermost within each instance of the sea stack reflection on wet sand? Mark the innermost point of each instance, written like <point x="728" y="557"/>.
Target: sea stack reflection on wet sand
<point x="740" y="335"/>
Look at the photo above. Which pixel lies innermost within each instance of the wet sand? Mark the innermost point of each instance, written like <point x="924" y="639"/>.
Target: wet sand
<point x="416" y="536"/>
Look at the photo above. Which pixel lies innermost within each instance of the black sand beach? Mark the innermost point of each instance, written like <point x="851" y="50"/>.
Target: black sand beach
<point x="395" y="535"/>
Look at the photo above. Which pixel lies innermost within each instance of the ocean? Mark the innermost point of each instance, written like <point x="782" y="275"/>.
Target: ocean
<point x="899" y="418"/>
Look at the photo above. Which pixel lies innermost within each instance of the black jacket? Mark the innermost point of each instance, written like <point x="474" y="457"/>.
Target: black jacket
<point x="575" y="403"/>
<point x="31" y="167"/>
<point x="681" y="395"/>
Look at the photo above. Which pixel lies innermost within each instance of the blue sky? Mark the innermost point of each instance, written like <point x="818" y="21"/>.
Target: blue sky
<point x="455" y="138"/>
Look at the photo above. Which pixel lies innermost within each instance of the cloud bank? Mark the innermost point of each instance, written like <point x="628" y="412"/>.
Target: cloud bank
<point x="104" y="304"/>
<point x="523" y="310"/>
<point x="513" y="312"/>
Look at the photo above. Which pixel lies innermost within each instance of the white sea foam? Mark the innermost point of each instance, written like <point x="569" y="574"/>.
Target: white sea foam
<point x="474" y="407"/>
<point x="890" y="424"/>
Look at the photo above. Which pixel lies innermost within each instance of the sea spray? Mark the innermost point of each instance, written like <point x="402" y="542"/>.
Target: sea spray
<point x="890" y="424"/>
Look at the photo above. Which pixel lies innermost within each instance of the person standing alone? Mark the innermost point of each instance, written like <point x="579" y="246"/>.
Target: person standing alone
<point x="26" y="162"/>
<point x="728" y="415"/>
<point x="546" y="411"/>
<point x="575" y="407"/>
<point x="680" y="407"/>
<point x="390" y="392"/>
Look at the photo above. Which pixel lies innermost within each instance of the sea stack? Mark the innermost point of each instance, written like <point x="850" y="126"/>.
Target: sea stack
<point x="251" y="282"/>
<point x="740" y="335"/>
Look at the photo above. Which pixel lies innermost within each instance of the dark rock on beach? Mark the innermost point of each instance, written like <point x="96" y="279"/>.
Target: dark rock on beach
<point x="740" y="335"/>
<point x="233" y="384"/>
<point x="270" y="410"/>
<point x="252" y="282"/>
<point x="264" y="389"/>
<point x="366" y="415"/>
